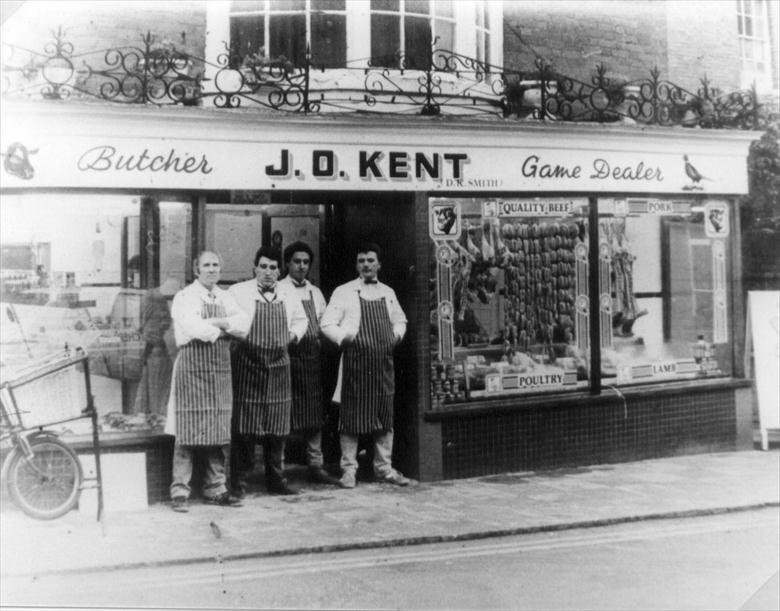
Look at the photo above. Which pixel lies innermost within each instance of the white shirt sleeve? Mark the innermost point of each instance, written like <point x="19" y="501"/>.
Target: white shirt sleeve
<point x="335" y="316"/>
<point x="319" y="303"/>
<point x="297" y="320"/>
<point x="397" y="316"/>
<point x="237" y="317"/>
<point x="245" y="301"/>
<point x="188" y="324"/>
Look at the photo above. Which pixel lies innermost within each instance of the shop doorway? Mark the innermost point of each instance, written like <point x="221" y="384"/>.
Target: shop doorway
<point x="333" y="225"/>
<point x="387" y="220"/>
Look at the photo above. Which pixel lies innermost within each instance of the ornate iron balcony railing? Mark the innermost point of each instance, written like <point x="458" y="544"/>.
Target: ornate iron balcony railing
<point x="441" y="83"/>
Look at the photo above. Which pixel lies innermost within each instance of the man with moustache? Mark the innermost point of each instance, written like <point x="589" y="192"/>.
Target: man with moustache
<point x="201" y="402"/>
<point x="366" y="320"/>
<point x="261" y="373"/>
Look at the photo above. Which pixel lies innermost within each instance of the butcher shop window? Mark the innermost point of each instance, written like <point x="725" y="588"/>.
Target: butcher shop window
<point x="664" y="271"/>
<point x="96" y="271"/>
<point x="509" y="297"/>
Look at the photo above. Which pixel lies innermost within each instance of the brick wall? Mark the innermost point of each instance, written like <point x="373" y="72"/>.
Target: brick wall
<point x="685" y="40"/>
<point x="703" y="40"/>
<point x="91" y="26"/>
<point x="628" y="37"/>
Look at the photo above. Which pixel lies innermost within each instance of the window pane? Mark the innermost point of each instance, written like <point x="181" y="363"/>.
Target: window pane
<point x="246" y="37"/>
<point x="418" y="42"/>
<point x="505" y="285"/>
<point x="443" y="8"/>
<point x="748" y="26"/>
<point x="328" y="5"/>
<point x="288" y="5"/>
<point x="93" y="271"/>
<point x="385" y="36"/>
<point x="667" y="281"/>
<point x="235" y="232"/>
<point x="247" y="5"/>
<point x="419" y="7"/>
<point x="480" y="45"/>
<point x="479" y="15"/>
<point x="288" y="38"/>
<point x="445" y="31"/>
<point x="385" y="5"/>
<point x="328" y="40"/>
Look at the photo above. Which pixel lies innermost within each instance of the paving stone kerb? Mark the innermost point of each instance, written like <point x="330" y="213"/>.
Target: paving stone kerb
<point x="375" y="515"/>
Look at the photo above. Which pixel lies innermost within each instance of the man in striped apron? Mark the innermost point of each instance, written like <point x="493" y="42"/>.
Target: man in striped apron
<point x="262" y="390"/>
<point x="201" y="400"/>
<point x="308" y="409"/>
<point x="366" y="320"/>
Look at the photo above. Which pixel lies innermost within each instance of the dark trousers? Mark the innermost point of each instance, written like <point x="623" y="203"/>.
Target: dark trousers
<point x="242" y="460"/>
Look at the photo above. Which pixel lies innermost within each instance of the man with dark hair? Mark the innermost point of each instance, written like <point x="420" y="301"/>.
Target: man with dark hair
<point x="308" y="410"/>
<point x="261" y="373"/>
<point x="199" y="410"/>
<point x="366" y="320"/>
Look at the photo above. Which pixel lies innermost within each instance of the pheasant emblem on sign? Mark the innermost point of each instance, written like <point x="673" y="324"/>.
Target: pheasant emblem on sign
<point x="694" y="174"/>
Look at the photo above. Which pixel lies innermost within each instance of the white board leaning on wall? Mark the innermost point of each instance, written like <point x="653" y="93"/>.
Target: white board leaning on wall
<point x="762" y="341"/>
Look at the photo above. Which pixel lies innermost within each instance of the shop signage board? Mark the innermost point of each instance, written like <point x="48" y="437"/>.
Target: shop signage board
<point x="659" y="369"/>
<point x="42" y="160"/>
<point x="533" y="207"/>
<point x="762" y="342"/>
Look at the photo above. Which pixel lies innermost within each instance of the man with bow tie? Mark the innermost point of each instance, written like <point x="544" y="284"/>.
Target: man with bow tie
<point x="308" y="409"/>
<point x="365" y="319"/>
<point x="262" y="393"/>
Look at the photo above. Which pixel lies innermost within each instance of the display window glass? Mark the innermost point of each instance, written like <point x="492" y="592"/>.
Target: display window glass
<point x="663" y="275"/>
<point x="96" y="271"/>
<point x="508" y="297"/>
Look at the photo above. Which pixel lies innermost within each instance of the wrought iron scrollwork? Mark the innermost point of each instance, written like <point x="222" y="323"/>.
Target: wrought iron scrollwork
<point x="651" y="101"/>
<point x="435" y="82"/>
<point x="155" y="74"/>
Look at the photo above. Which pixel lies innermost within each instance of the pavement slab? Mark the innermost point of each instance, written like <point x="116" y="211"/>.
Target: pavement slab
<point x="378" y="515"/>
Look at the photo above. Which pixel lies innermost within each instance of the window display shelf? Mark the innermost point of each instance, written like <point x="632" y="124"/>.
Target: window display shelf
<point x="584" y="400"/>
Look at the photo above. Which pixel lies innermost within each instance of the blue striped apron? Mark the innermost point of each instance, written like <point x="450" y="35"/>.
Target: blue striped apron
<point x="204" y="397"/>
<point x="369" y="376"/>
<point x="261" y="374"/>
<point x="306" y="371"/>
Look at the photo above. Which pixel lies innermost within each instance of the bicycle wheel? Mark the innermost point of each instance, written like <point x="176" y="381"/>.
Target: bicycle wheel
<point x="47" y="485"/>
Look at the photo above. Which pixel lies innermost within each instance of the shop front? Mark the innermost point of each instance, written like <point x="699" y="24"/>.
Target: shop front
<point x="572" y="290"/>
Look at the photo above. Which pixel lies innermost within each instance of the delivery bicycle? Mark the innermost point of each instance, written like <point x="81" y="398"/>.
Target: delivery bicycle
<point x="43" y="474"/>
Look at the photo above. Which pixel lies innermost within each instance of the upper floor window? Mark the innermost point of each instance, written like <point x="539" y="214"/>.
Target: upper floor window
<point x="354" y="33"/>
<point x="483" y="31"/>
<point x="754" y="43"/>
<point x="284" y="29"/>
<point x="411" y="27"/>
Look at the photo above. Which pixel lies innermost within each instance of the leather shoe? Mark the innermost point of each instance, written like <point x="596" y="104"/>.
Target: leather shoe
<point x="394" y="477"/>
<point x="347" y="480"/>
<point x="179" y="504"/>
<point x="280" y="487"/>
<point x="225" y="499"/>
<point x="318" y="475"/>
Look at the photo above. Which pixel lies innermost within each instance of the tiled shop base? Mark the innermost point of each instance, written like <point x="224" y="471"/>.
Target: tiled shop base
<point x="569" y="435"/>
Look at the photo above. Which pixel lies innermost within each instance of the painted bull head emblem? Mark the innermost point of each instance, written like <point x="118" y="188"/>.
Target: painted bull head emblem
<point x="17" y="161"/>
